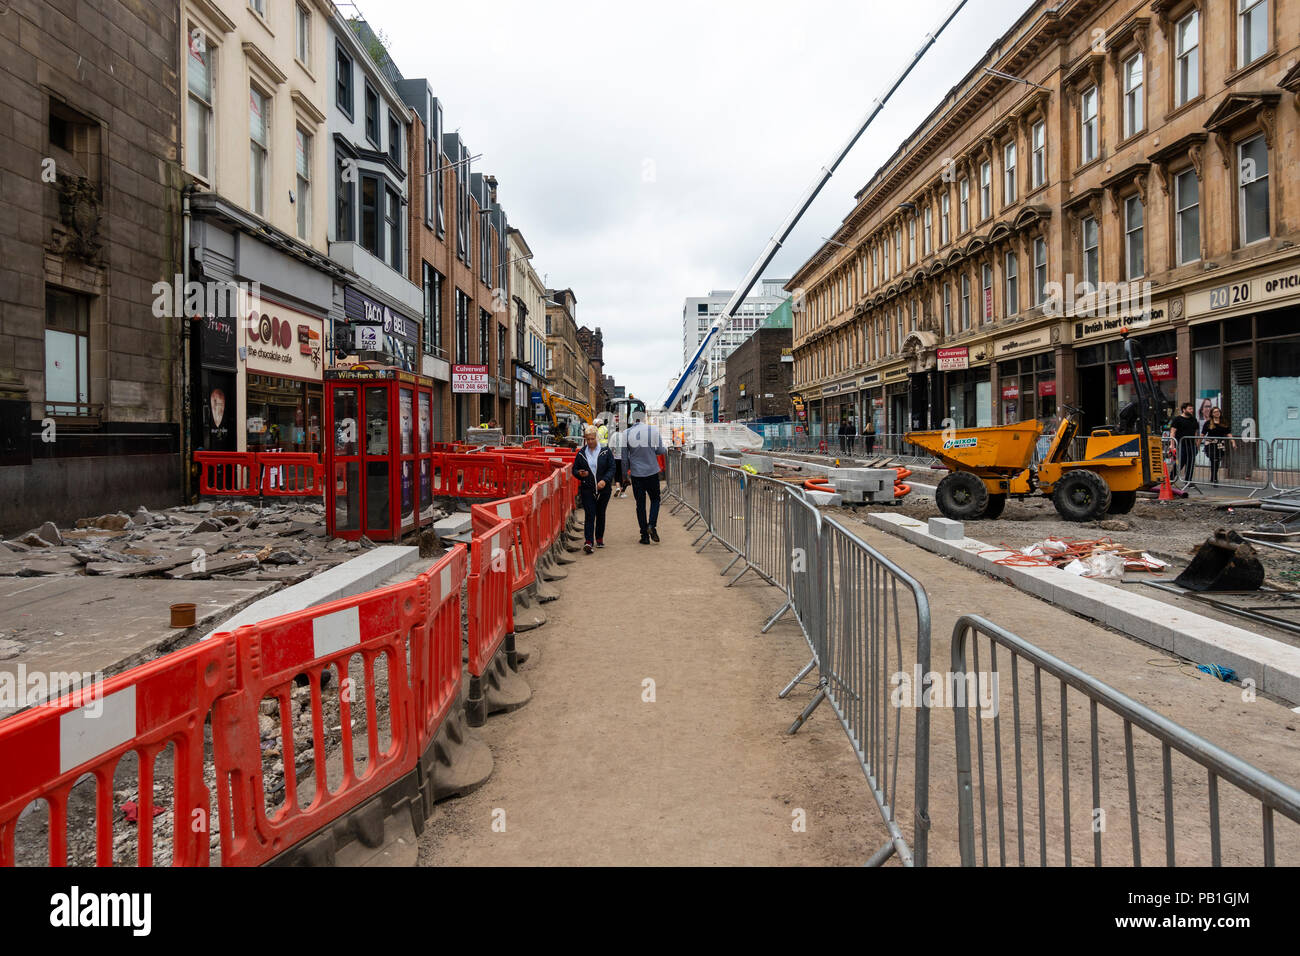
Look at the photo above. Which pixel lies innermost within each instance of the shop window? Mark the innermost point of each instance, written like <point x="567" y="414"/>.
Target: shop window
<point x="1134" y="260"/>
<point x="1252" y="171"/>
<point x="1187" y="216"/>
<point x="67" y="353"/>
<point x="1187" y="66"/>
<point x="1134" y="93"/>
<point x="1252" y="31"/>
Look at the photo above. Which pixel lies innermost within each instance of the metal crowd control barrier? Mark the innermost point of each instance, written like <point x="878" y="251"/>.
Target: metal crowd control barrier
<point x="1230" y="464"/>
<point x="1125" y="786"/>
<point x="846" y="599"/>
<point x="1284" y="464"/>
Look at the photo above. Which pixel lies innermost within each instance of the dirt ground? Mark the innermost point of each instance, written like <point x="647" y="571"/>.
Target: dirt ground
<point x="589" y="772"/>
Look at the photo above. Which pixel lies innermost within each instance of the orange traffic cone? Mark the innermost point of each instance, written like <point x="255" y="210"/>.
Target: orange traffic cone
<point x="1166" y="489"/>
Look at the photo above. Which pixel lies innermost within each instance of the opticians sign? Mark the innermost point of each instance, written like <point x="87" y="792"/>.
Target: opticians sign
<point x="470" y="378"/>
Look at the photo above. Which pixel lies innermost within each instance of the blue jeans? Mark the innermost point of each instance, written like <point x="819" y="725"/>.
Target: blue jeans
<point x="641" y="488"/>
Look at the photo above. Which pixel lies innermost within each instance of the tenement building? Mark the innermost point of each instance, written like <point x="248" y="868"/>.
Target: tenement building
<point x="1108" y="167"/>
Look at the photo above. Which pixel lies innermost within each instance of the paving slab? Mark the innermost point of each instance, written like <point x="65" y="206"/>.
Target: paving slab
<point x="105" y="625"/>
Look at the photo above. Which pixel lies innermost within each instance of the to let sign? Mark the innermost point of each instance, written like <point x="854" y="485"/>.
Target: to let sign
<point x="469" y="378"/>
<point x="953" y="359"/>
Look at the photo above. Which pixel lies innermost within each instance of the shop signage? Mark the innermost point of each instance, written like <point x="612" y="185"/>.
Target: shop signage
<point x="872" y="379"/>
<point x="1162" y="370"/>
<point x="368" y="338"/>
<point x="896" y="373"/>
<point x="1102" y="326"/>
<point x="359" y="307"/>
<point x="217" y="338"/>
<point x="830" y="389"/>
<point x="1011" y="391"/>
<point x="524" y="376"/>
<point x="470" y="378"/>
<point x="281" y="341"/>
<point x="1024" y="342"/>
<point x="787" y="355"/>
<point x="988" y="304"/>
<point x="953" y="359"/>
<point x="1047" y="388"/>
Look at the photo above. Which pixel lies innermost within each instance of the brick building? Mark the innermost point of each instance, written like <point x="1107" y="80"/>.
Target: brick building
<point x="758" y="378"/>
<point x="1136" y="180"/>
<point x="566" y="362"/>
<point x="90" y="373"/>
<point x="593" y="344"/>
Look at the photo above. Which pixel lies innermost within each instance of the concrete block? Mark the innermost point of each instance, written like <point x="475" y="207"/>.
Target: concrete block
<point x="453" y="525"/>
<point x="363" y="573"/>
<point x="824" y="499"/>
<point x="947" y="529"/>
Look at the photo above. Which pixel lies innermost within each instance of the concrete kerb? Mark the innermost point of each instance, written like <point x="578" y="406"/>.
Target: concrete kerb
<point x="1272" y="665"/>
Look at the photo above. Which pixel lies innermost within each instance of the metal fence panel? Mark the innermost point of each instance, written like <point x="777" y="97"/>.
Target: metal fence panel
<point x="1284" y="464"/>
<point x="1230" y="464"/>
<point x="1049" y="804"/>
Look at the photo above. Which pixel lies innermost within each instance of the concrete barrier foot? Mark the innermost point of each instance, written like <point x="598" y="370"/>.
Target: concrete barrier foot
<point x="503" y="689"/>
<point x="458" y="762"/>
<point x="527" y="614"/>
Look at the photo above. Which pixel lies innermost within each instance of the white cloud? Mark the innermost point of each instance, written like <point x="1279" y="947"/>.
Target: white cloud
<point x="735" y="104"/>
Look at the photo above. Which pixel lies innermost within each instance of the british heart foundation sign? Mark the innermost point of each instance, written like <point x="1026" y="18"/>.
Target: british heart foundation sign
<point x="469" y="378"/>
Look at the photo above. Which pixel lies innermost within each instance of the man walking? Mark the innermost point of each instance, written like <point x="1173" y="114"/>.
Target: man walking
<point x="641" y="448"/>
<point x="1183" y="427"/>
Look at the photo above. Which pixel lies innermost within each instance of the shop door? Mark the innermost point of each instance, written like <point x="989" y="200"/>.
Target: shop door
<point x="1241" y="413"/>
<point x="898" y="418"/>
<point x="312" y="441"/>
<point x="1092" y="397"/>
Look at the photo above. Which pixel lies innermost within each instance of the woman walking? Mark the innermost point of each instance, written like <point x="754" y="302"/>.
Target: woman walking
<point x="594" y="468"/>
<point x="1218" y="433"/>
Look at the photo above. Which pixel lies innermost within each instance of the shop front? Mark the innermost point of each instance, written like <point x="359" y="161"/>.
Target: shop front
<point x="898" y="416"/>
<point x="281" y="365"/>
<point x="871" y="400"/>
<point x="1105" y="382"/>
<point x="1027" y="377"/>
<point x="968" y="384"/>
<point x="841" y="401"/>
<point x="377" y="333"/>
<point x="1244" y="349"/>
<point x="215" y="420"/>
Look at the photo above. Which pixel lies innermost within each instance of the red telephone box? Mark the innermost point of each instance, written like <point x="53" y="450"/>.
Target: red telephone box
<point x="378" y="452"/>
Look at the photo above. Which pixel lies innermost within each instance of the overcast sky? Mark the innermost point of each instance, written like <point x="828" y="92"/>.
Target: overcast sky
<point x="649" y="151"/>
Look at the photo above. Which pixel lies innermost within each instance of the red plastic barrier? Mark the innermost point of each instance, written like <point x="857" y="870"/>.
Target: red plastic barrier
<point x="474" y="476"/>
<point x="491" y="610"/>
<point x="435" y="647"/>
<point x="48" y="748"/>
<point x="228" y="474"/>
<point x="377" y="624"/>
<point x="291" y="473"/>
<point x="520" y="545"/>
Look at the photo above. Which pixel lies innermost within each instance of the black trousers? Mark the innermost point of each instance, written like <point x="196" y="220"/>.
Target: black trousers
<point x="593" y="510"/>
<point x="641" y="489"/>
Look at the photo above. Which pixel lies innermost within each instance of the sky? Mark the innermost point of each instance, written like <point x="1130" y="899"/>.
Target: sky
<point x="648" y="152"/>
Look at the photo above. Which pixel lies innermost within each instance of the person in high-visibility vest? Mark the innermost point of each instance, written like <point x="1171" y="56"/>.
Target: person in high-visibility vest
<point x="603" y="434"/>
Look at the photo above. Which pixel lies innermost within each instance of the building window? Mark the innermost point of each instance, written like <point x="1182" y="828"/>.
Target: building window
<point x="371" y="234"/>
<point x="302" y="34"/>
<point x="987" y="289"/>
<point x="986" y="190"/>
<point x="898" y="249"/>
<point x="1040" y="271"/>
<point x="1252" y="171"/>
<point x="440" y="214"/>
<point x="1039" y="173"/>
<point x="432" y="310"/>
<point x="965" y="303"/>
<point x="1134" y="112"/>
<point x="393" y="226"/>
<point x="199" y="112"/>
<point x="1187" y="207"/>
<point x="501" y="350"/>
<point x="927" y="242"/>
<point x="67" y="353"/>
<point x="945" y="218"/>
<point x="302" y="195"/>
<point x="345" y="199"/>
<point x="259" y="106"/>
<point x="343" y="80"/>
<point x="911" y="241"/>
<point x="1088" y="121"/>
<point x="886" y="257"/>
<point x="484" y="343"/>
<point x="1252" y="31"/>
<point x="395" y="141"/>
<point x="372" y="115"/>
<point x="947" y="308"/>
<point x="1013" y="283"/>
<point x="875" y="266"/>
<point x="1090" y="260"/>
<point x="462" y="327"/>
<point x="258" y="7"/>
<point x="1187" y="66"/>
<point x="1134" y="264"/>
<point x="1009" y="173"/>
<point x="963" y="214"/>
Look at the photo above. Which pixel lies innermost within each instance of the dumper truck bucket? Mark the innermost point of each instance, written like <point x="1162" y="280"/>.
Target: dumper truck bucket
<point x="1224" y="562"/>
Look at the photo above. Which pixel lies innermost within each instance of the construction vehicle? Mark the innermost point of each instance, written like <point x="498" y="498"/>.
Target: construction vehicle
<point x="988" y="465"/>
<point x="573" y="415"/>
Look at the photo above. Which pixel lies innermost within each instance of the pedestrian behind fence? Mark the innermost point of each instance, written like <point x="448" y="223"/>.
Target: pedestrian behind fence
<point x="594" y="468"/>
<point x="1184" y="427"/>
<point x="617" y="438"/>
<point x="1219" y="434"/>
<point x="641" y="449"/>
<point x="847" y="431"/>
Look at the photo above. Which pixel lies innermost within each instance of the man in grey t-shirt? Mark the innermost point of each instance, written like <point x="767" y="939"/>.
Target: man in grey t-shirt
<point x="641" y="448"/>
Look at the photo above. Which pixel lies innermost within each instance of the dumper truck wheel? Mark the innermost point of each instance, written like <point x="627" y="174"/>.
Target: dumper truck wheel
<point x="1081" y="495"/>
<point x="996" y="504"/>
<point x="1122" y="502"/>
<point x="962" y="496"/>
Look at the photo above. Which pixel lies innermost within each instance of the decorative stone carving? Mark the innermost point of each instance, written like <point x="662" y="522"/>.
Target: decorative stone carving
<point x="80" y="212"/>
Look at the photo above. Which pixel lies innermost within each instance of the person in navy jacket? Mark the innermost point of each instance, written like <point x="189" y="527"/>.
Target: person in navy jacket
<point x="593" y="466"/>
